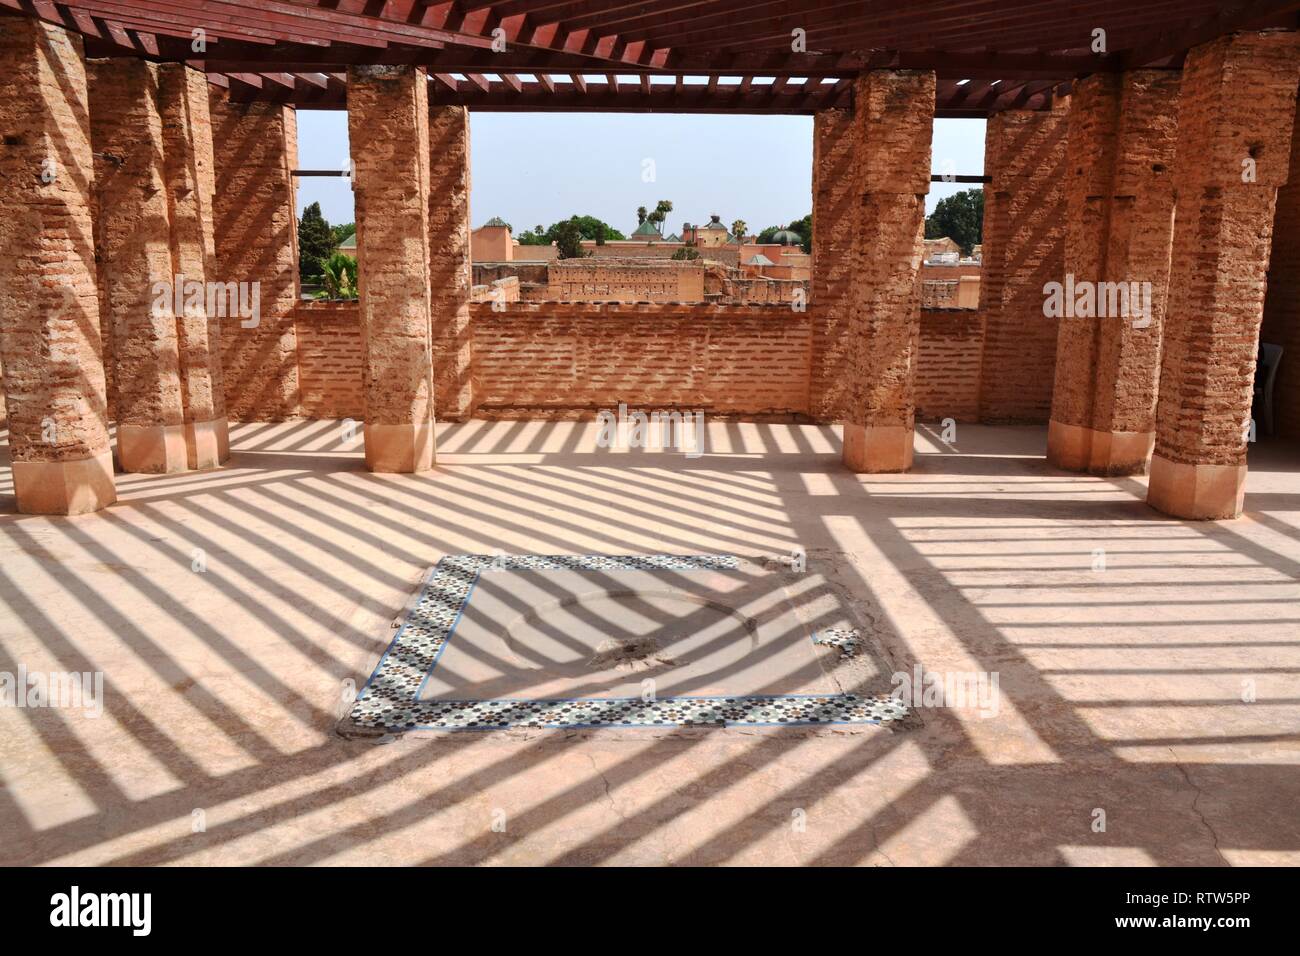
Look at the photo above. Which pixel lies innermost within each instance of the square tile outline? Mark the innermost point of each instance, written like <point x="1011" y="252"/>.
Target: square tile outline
<point x="374" y="709"/>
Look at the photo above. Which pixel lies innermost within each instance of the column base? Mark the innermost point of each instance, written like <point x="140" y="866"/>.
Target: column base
<point x="223" y="439"/>
<point x="71" y="487"/>
<point x="400" y="449"/>
<point x="1068" y="446"/>
<point x="877" y="448"/>
<point x="203" y="444"/>
<point x="1109" y="454"/>
<point x="152" y="449"/>
<point x="1121" y="453"/>
<point x="1200" y="492"/>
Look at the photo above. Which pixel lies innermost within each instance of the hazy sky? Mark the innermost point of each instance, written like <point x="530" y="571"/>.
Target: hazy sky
<point x="536" y="168"/>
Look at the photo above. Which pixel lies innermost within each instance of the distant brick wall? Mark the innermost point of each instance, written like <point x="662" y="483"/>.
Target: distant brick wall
<point x="329" y="360"/>
<point x="621" y="280"/>
<point x="1024" y="245"/>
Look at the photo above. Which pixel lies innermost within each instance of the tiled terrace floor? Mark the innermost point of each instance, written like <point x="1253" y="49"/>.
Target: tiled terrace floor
<point x="1121" y="689"/>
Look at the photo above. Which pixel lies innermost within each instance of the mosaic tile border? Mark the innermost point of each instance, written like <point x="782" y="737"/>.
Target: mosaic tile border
<point x="390" y="700"/>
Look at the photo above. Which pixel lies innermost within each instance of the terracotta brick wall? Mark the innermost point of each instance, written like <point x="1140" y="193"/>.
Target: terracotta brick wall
<point x="948" y="364"/>
<point x="620" y="280"/>
<point x="1282" y="303"/>
<point x="329" y="360"/>
<point x="1024" y="242"/>
<point x="733" y="359"/>
<point x="543" y="357"/>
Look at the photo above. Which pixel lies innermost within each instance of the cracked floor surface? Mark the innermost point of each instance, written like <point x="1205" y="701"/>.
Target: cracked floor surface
<point x="1147" y="667"/>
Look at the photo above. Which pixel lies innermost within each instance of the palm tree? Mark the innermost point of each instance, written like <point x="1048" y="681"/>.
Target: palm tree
<point x="339" y="276"/>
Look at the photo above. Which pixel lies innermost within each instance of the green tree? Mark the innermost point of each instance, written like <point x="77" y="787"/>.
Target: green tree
<point x="686" y="252"/>
<point x="341" y="232"/>
<point x="960" y="217"/>
<point x="640" y="215"/>
<point x="315" y="242"/>
<point x="589" y="227"/>
<point x="739" y="228"/>
<point x="568" y="240"/>
<point x="339" y="275"/>
<point x="662" y="209"/>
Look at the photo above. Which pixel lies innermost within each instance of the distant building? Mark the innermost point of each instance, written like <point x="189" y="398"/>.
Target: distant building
<point x="492" y="242"/>
<point x="709" y="236"/>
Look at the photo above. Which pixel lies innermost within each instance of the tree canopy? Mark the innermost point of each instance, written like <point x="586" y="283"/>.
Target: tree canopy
<point x="589" y="227"/>
<point x="960" y="217"/>
<point x="316" y="242"/>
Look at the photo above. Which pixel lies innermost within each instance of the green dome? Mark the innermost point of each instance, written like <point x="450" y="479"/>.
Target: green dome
<point x="787" y="237"/>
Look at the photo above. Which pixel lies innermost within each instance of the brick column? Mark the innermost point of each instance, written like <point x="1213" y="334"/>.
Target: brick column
<point x="1024" y="242"/>
<point x="1119" y="201"/>
<point x="893" y="117"/>
<point x="133" y="239"/>
<point x="254" y="231"/>
<point x="188" y="168"/>
<point x="450" y="271"/>
<point x="1234" y="142"/>
<point x="49" y="310"/>
<point x="388" y="126"/>
<point x="834" y="217"/>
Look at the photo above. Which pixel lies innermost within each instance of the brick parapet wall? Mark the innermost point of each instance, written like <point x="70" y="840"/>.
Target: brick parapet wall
<point x="948" y="364"/>
<point x="540" y="357"/>
<point x="330" y="359"/>
<point x="642" y="354"/>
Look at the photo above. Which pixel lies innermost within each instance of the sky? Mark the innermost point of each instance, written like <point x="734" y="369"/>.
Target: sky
<point x="536" y="168"/>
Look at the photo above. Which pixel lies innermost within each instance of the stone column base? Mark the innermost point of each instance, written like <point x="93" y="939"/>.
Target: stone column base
<point x="203" y="443"/>
<point x="223" y="439"/>
<point x="1121" y="453"/>
<point x="1201" y="492"/>
<point x="1068" y="446"/>
<point x="65" y="487"/>
<point x="1110" y="454"/>
<point x="402" y="449"/>
<point x="877" y="448"/>
<point x="152" y="449"/>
